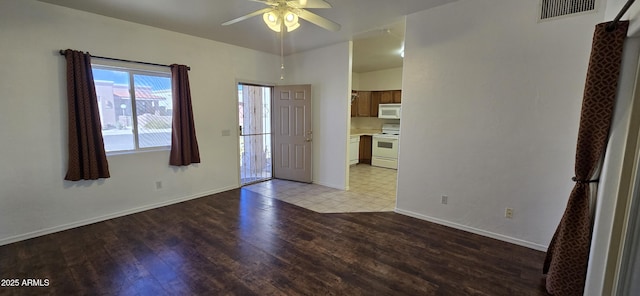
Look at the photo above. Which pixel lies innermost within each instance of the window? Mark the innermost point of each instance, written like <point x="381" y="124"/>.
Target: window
<point x="124" y="128"/>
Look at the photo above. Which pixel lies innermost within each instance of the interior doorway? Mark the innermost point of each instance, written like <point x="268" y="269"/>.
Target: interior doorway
<point x="254" y="113"/>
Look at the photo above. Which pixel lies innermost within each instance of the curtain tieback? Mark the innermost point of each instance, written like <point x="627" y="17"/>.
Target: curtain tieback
<point x="574" y="179"/>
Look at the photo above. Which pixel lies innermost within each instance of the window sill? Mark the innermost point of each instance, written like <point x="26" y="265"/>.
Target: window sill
<point x="144" y="150"/>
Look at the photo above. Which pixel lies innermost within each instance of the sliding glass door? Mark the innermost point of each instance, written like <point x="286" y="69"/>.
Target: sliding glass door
<point x="254" y="105"/>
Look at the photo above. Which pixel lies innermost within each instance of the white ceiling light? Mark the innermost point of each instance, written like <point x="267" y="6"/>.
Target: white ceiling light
<point x="276" y="18"/>
<point x="273" y="21"/>
<point x="291" y="21"/>
<point x="287" y="12"/>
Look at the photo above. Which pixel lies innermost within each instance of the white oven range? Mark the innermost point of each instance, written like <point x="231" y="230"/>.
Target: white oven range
<point x="385" y="147"/>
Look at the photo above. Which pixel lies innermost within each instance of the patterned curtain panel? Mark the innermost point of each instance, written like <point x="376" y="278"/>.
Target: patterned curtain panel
<point x="87" y="157"/>
<point x="568" y="253"/>
<point x="184" y="144"/>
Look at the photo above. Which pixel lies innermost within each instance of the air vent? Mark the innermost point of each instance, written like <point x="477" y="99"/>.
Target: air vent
<point x="550" y="9"/>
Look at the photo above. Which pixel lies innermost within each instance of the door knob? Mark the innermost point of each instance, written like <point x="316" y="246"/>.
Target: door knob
<point x="307" y="139"/>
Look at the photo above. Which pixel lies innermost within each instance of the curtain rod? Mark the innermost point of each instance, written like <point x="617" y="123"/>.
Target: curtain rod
<point x="615" y="21"/>
<point x="129" y="61"/>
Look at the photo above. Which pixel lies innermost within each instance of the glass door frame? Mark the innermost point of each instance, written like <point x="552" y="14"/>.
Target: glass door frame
<point x="246" y="174"/>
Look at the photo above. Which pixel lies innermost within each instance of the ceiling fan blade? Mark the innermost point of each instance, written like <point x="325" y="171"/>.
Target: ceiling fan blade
<point x="310" y="3"/>
<point x="266" y="2"/>
<point x="248" y="16"/>
<point x="319" y="21"/>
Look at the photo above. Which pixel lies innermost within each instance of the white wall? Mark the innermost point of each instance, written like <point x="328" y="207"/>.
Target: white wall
<point x="355" y="80"/>
<point x="387" y="79"/>
<point x="605" y="244"/>
<point x="328" y="70"/>
<point x="614" y="6"/>
<point x="491" y="109"/>
<point x="34" y="199"/>
<point x="608" y="191"/>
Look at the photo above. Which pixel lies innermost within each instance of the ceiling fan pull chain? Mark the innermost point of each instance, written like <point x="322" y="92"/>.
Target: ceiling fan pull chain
<point x="282" y="54"/>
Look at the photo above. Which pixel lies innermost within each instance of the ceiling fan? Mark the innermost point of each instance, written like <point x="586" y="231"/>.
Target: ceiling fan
<point x="285" y="13"/>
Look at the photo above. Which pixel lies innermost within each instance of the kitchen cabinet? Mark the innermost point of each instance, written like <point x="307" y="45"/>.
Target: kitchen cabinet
<point x="354" y="150"/>
<point x="390" y="96"/>
<point x="367" y="102"/>
<point x="364" y="104"/>
<point x="397" y="96"/>
<point x="386" y="97"/>
<point x="375" y="102"/>
<point x="365" y="149"/>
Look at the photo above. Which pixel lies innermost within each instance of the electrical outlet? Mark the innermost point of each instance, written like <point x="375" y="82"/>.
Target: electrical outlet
<point x="444" y="200"/>
<point x="508" y="213"/>
<point x="158" y="185"/>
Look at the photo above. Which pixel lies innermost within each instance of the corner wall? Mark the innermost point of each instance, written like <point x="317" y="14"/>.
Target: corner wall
<point x="34" y="199"/>
<point x="616" y="186"/>
<point x="355" y="81"/>
<point x="328" y="70"/>
<point x="491" y="104"/>
<point x="615" y="180"/>
<point x="387" y="79"/>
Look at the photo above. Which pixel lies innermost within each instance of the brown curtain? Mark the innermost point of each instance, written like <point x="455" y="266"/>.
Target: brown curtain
<point x="568" y="253"/>
<point x="87" y="157"/>
<point x="184" y="145"/>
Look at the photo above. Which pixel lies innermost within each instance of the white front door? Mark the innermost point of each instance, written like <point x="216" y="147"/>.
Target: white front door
<point x="293" y="134"/>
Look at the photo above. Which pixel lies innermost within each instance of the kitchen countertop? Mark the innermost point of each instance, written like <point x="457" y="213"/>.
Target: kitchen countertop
<point x="364" y="132"/>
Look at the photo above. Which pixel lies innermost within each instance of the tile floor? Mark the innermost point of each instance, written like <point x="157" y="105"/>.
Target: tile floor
<point x="371" y="189"/>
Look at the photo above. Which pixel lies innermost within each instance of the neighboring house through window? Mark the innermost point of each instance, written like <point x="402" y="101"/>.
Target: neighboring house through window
<point x="124" y="128"/>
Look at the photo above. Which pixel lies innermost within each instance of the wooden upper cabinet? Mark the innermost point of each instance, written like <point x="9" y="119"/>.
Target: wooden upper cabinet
<point x="397" y="96"/>
<point x="375" y="102"/>
<point x="367" y="102"/>
<point x="364" y="104"/>
<point x="386" y="97"/>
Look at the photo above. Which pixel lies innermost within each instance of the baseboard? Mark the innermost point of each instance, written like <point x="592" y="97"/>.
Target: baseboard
<point x="329" y="185"/>
<point x="490" y="234"/>
<point x="63" y="227"/>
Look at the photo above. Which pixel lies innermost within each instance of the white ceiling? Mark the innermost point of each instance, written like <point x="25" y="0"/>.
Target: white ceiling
<point x="376" y="26"/>
<point x="379" y="48"/>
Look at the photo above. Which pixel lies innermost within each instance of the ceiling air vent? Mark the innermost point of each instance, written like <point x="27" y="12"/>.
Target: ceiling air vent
<point x="550" y="9"/>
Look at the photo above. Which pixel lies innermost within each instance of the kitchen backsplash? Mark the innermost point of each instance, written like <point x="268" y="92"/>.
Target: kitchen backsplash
<point x="367" y="123"/>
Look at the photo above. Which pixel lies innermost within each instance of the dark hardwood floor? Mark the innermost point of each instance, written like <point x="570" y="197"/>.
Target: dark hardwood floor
<point x="239" y="242"/>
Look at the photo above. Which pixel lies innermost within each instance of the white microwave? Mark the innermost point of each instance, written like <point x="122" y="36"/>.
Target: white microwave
<point x="389" y="111"/>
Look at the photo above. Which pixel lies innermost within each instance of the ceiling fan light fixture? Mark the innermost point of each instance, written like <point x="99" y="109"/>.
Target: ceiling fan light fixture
<point x="272" y="17"/>
<point x="273" y="21"/>
<point x="291" y="21"/>
<point x="286" y="13"/>
<point x="289" y="17"/>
